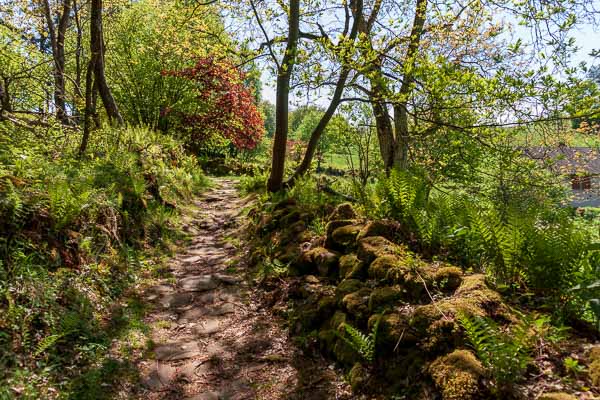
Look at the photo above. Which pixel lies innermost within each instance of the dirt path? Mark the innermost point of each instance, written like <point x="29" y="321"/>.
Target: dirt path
<point x="213" y="338"/>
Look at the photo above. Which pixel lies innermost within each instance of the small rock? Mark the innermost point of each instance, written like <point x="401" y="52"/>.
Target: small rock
<point x="227" y="279"/>
<point x="208" y="327"/>
<point x="227" y="308"/>
<point x="177" y="351"/>
<point x="199" y="283"/>
<point x="176" y="300"/>
<point x="205" y="396"/>
<point x="159" y="377"/>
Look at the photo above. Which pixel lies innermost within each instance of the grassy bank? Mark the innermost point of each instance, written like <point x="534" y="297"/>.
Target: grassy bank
<point x="75" y="235"/>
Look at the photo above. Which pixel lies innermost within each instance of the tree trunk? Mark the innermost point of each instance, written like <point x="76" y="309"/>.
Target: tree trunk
<point x="357" y="8"/>
<point x="403" y="139"/>
<point x="284" y="75"/>
<point x="97" y="48"/>
<point x="5" y="106"/>
<point x="57" y="41"/>
<point x="89" y="106"/>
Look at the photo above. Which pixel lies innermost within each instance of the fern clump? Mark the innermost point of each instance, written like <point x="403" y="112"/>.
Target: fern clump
<point x="361" y="343"/>
<point x="505" y="353"/>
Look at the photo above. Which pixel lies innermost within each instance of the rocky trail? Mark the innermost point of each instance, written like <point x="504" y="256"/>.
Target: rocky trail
<point x="213" y="337"/>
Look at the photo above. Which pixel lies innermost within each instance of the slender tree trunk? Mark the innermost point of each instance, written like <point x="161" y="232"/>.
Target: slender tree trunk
<point x="57" y="41"/>
<point x="5" y="106"/>
<point x="403" y="139"/>
<point x="78" y="69"/>
<point x="385" y="132"/>
<point x="284" y="75"/>
<point x="4" y="99"/>
<point x="89" y="106"/>
<point x="97" y="48"/>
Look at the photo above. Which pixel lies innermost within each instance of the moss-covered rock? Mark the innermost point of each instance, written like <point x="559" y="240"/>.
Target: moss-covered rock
<point x="358" y="377"/>
<point x="436" y="323"/>
<point x="389" y="268"/>
<point x="351" y="267"/>
<point x="448" y="278"/>
<point x="344" y="353"/>
<point x="393" y="331"/>
<point x="384" y="297"/>
<point x="337" y="321"/>
<point x="327" y="338"/>
<point x="372" y="247"/>
<point x="457" y="375"/>
<point x="557" y="396"/>
<point x="385" y="228"/>
<point x="336" y="224"/>
<point x="594" y="368"/>
<point x="357" y="303"/>
<point x="343" y="211"/>
<point x="318" y="259"/>
<point x="344" y="237"/>
<point x="319" y="305"/>
<point x="347" y="286"/>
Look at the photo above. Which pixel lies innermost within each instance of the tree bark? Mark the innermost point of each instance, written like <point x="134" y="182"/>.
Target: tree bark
<point x="97" y="49"/>
<point x="357" y="9"/>
<point x="5" y="106"/>
<point x="284" y="75"/>
<point x="89" y="106"/>
<point x="57" y="41"/>
<point x="403" y="139"/>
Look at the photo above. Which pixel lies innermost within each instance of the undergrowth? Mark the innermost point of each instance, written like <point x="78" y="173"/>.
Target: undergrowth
<point x="75" y="234"/>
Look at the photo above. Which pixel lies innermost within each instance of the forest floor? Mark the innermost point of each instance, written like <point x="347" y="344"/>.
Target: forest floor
<point x="212" y="337"/>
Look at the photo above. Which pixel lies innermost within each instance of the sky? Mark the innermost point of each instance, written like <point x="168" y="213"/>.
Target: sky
<point x="587" y="38"/>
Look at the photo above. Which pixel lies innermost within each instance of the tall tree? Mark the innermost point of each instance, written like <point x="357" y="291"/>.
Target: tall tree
<point x="97" y="64"/>
<point x="57" y="34"/>
<point x="282" y="93"/>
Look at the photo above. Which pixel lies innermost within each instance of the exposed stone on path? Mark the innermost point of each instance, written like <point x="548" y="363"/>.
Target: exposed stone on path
<point x="205" y="396"/>
<point x="176" y="300"/>
<point x="208" y="326"/>
<point x="177" y="351"/>
<point x="200" y="283"/>
<point x="160" y="376"/>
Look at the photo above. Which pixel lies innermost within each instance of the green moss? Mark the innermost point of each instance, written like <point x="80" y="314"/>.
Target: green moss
<point x="594" y="372"/>
<point x="457" y="375"/>
<point x="357" y="303"/>
<point x="326" y="306"/>
<point x="370" y="248"/>
<point x="594" y="354"/>
<point x="347" y="286"/>
<point x="384" y="297"/>
<point x="344" y="237"/>
<point x="336" y="321"/>
<point x="358" y="377"/>
<point x="343" y="211"/>
<point x="436" y="323"/>
<point x="335" y="224"/>
<point x="557" y="396"/>
<point x="388" y="268"/>
<point x="318" y="259"/>
<point x="394" y="329"/>
<point x="351" y="267"/>
<point x="448" y="278"/>
<point x="327" y="339"/>
<point x="386" y="229"/>
<point x="344" y="353"/>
